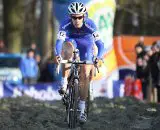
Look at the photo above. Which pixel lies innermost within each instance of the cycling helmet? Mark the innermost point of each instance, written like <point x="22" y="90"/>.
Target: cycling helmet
<point x="77" y="8"/>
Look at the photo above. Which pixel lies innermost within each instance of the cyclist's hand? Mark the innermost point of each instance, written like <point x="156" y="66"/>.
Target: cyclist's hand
<point x="58" y="59"/>
<point x="96" y="61"/>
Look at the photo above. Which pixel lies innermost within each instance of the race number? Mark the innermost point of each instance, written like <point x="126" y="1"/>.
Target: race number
<point x="96" y="36"/>
<point x="62" y="35"/>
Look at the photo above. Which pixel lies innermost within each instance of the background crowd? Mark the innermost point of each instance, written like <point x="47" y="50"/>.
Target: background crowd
<point x="30" y="65"/>
<point x="148" y="69"/>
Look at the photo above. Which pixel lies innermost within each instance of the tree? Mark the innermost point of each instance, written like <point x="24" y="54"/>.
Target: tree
<point x="147" y="13"/>
<point x="13" y="18"/>
<point x="30" y="23"/>
<point x="45" y="30"/>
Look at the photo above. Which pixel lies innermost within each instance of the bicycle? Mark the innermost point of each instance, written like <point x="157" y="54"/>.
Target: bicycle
<point x="70" y="99"/>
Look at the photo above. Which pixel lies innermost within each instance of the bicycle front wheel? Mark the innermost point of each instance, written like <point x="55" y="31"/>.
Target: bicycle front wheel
<point x="72" y="110"/>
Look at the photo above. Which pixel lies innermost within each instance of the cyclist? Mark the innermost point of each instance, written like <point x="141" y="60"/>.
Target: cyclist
<point x="79" y="31"/>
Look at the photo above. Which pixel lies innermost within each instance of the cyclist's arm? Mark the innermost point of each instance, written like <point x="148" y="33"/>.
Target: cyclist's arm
<point x="59" y="42"/>
<point x="61" y="36"/>
<point x="99" y="44"/>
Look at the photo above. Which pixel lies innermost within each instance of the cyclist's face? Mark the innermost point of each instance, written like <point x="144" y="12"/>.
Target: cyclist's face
<point x="77" y="20"/>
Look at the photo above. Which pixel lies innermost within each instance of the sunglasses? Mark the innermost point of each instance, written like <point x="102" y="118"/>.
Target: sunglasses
<point x="79" y="18"/>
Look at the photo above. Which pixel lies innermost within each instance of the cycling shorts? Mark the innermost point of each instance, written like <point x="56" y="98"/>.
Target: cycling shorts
<point x="85" y="45"/>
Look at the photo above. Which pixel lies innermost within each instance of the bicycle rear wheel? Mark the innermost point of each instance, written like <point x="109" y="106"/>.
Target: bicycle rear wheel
<point x="73" y="103"/>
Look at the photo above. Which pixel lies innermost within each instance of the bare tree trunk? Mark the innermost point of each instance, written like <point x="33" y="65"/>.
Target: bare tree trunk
<point x="45" y="36"/>
<point x="119" y="21"/>
<point x="13" y="19"/>
<point x="30" y="24"/>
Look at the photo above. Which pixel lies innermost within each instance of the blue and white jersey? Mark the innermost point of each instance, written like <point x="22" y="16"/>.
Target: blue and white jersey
<point x="67" y="30"/>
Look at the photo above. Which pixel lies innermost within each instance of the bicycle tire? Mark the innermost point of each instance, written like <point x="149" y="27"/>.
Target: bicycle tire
<point x="72" y="108"/>
<point x="76" y="96"/>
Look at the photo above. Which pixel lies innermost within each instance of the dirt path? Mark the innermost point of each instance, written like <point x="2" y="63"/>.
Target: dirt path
<point x="117" y="114"/>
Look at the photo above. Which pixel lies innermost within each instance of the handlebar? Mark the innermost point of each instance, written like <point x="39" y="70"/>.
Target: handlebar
<point x="76" y="62"/>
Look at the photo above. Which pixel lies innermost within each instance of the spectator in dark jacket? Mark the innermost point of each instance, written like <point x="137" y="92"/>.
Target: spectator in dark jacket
<point x="141" y="73"/>
<point x="29" y="68"/>
<point x="139" y="50"/>
<point x="155" y="71"/>
<point x="145" y="75"/>
<point x="142" y="65"/>
<point x="139" y="47"/>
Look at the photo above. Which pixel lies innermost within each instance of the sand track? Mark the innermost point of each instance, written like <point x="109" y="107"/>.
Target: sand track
<point x="117" y="114"/>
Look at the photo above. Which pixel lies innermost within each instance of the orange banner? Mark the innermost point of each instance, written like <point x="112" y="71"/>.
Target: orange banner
<point x="125" y="49"/>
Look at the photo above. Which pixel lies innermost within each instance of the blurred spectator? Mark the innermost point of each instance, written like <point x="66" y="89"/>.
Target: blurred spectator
<point x="36" y="52"/>
<point x="33" y="46"/>
<point x="142" y="74"/>
<point x="155" y="48"/>
<point x="46" y="72"/>
<point x="148" y="51"/>
<point x="145" y="74"/>
<point x="142" y="68"/>
<point x="139" y="66"/>
<point x="148" y="68"/>
<point x="139" y="47"/>
<point x="29" y="68"/>
<point x="3" y="49"/>
<point x="153" y="65"/>
<point x="38" y="59"/>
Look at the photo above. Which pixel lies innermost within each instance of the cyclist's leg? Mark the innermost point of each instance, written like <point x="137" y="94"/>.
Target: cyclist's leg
<point x="92" y="72"/>
<point x="85" y="47"/>
<point x="67" y="51"/>
<point x="84" y="82"/>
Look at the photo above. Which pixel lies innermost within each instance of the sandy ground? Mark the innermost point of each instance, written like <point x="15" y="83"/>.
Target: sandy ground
<point x="117" y="114"/>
